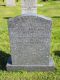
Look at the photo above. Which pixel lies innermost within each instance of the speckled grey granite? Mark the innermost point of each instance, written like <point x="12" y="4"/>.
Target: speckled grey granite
<point x="30" y="43"/>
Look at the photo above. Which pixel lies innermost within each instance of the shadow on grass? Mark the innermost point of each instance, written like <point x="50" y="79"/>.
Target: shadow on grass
<point x="2" y="5"/>
<point x="7" y="17"/>
<point x="56" y="17"/>
<point x="57" y="53"/>
<point x="3" y="60"/>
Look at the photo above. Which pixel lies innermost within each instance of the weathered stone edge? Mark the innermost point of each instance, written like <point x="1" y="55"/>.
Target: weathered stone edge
<point x="49" y="67"/>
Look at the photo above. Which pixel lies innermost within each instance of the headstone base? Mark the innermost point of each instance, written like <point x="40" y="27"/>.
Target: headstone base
<point x="11" y="67"/>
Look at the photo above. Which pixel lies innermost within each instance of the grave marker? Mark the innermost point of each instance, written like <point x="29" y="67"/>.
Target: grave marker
<point x="10" y="3"/>
<point x="30" y="36"/>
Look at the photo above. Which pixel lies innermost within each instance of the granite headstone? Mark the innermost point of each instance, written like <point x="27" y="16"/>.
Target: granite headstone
<point x="30" y="36"/>
<point x="30" y="43"/>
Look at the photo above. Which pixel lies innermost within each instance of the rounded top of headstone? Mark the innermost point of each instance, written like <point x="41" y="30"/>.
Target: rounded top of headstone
<point x="31" y="15"/>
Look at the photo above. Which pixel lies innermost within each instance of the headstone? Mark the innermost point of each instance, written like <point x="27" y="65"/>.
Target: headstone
<point x="29" y="6"/>
<point x="10" y="3"/>
<point x="30" y="36"/>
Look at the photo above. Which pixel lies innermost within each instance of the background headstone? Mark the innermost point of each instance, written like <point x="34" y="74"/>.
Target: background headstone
<point x="10" y="3"/>
<point x="29" y="6"/>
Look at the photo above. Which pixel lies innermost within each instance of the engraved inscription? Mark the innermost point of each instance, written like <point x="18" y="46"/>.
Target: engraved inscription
<point x="30" y="39"/>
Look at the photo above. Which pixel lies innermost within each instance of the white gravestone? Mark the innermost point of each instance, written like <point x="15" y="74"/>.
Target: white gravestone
<point x="29" y="6"/>
<point x="10" y="3"/>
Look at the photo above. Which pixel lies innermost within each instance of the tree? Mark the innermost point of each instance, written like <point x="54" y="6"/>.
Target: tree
<point x="16" y="0"/>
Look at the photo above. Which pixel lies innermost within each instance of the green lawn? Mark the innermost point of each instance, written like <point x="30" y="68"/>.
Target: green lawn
<point x="50" y="9"/>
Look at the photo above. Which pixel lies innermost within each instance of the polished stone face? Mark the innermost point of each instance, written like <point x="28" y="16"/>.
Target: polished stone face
<point x="30" y="40"/>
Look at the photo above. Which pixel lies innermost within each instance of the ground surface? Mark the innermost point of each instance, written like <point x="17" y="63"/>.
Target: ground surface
<point x="50" y="9"/>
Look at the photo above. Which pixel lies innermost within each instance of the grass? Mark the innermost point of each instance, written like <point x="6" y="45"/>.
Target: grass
<point x="50" y="9"/>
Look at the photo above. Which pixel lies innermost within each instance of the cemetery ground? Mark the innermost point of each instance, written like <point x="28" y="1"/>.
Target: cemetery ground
<point x="50" y="9"/>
